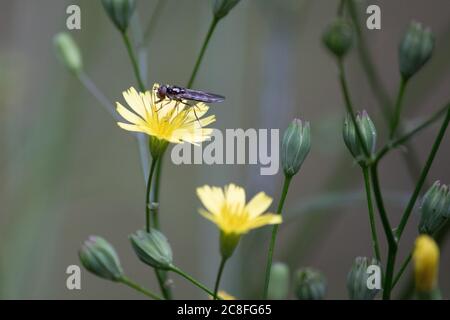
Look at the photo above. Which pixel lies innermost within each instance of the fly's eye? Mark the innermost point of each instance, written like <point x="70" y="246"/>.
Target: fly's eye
<point x="162" y="90"/>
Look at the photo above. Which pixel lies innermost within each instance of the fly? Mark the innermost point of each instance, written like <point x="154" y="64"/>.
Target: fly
<point x="179" y="94"/>
<point x="182" y="95"/>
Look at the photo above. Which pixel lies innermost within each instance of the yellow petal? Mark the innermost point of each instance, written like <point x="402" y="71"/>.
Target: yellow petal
<point x="208" y="215"/>
<point x="263" y="220"/>
<point x="135" y="102"/>
<point x="260" y="203"/>
<point x="212" y="198"/>
<point x="131" y="127"/>
<point x="128" y="115"/>
<point x="235" y="196"/>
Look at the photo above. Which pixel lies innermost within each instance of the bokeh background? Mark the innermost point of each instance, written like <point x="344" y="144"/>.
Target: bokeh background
<point x="67" y="171"/>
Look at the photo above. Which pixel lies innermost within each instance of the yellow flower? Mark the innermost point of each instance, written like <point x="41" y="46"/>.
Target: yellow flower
<point x="166" y="120"/>
<point x="426" y="261"/>
<point x="228" y="210"/>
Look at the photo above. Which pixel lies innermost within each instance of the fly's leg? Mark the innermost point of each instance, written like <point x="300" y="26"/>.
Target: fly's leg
<point x="162" y="105"/>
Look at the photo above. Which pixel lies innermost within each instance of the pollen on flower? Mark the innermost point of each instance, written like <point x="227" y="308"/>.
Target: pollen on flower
<point x="166" y="120"/>
<point x="227" y="208"/>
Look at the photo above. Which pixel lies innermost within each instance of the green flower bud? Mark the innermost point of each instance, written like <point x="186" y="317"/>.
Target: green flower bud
<point x="415" y="49"/>
<point x="228" y="243"/>
<point x="368" y="132"/>
<point x="435" y="208"/>
<point x="338" y="37"/>
<point x="157" y="147"/>
<point x="310" y="284"/>
<point x="152" y="248"/>
<point x="120" y="12"/>
<point x="223" y="7"/>
<point x="279" y="282"/>
<point x="295" y="146"/>
<point x="100" y="258"/>
<point x="68" y="52"/>
<point x="357" y="285"/>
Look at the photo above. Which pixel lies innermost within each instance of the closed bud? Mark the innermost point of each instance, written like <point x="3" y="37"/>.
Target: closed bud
<point x="100" y="258"/>
<point x="223" y="7"/>
<point x="310" y="284"/>
<point x="338" y="38"/>
<point x="68" y="52"/>
<point x="426" y="264"/>
<point x="435" y="208"/>
<point x="368" y="132"/>
<point x="295" y="146"/>
<point x="120" y="12"/>
<point x="152" y="248"/>
<point x="279" y="281"/>
<point x="357" y="280"/>
<point x="415" y="49"/>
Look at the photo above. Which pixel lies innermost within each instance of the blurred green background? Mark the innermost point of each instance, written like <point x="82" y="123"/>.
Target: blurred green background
<point x="67" y="171"/>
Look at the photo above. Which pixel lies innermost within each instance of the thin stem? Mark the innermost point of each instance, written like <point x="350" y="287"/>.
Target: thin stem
<point x="349" y="107"/>
<point x="402" y="270"/>
<point x="191" y="279"/>
<point x="341" y="7"/>
<point x="374" y="80"/>
<point x="147" y="196"/>
<point x="134" y="61"/>
<point x="211" y="29"/>
<point x="90" y="86"/>
<point x="373" y="228"/>
<point x="138" y="288"/>
<point x="392" y="242"/>
<point x="401" y="140"/>
<point x="157" y="181"/>
<point x="161" y="276"/>
<point x="287" y="181"/>
<point x="384" y="101"/>
<point x="398" y="107"/>
<point x="153" y="21"/>
<point x="423" y="175"/>
<point x="219" y="276"/>
<point x="154" y="215"/>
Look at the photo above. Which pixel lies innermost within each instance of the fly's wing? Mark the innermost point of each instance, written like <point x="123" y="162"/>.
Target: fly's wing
<point x="201" y="96"/>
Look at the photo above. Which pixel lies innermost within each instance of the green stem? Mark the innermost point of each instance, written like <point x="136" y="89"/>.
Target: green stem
<point x="157" y="181"/>
<point x="374" y="80"/>
<point x="392" y="242"/>
<point x="161" y="276"/>
<point x="398" y="107"/>
<point x="287" y="181"/>
<point x="423" y="175"/>
<point x="134" y="62"/>
<point x="191" y="279"/>
<point x="349" y="107"/>
<point x="156" y="14"/>
<point x="402" y="270"/>
<point x="147" y="196"/>
<point x="138" y="288"/>
<point x="219" y="276"/>
<point x="373" y="228"/>
<point x="341" y="7"/>
<point x="401" y="140"/>
<point x="211" y="29"/>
